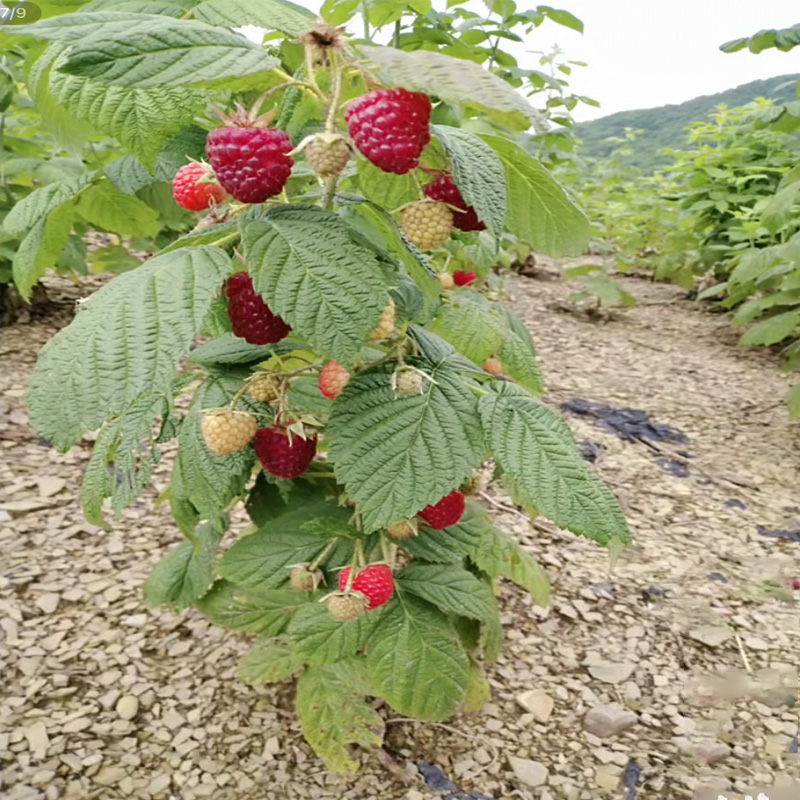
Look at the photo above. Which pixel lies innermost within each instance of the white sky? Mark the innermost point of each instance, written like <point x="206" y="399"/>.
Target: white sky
<point x="644" y="53"/>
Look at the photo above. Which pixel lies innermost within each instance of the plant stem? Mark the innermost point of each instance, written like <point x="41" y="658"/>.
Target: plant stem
<point x="330" y="192"/>
<point x="310" y="76"/>
<point x="493" y="53"/>
<point x="237" y="397"/>
<point x="323" y="555"/>
<point x="225" y="240"/>
<point x="365" y="14"/>
<point x="397" y="34"/>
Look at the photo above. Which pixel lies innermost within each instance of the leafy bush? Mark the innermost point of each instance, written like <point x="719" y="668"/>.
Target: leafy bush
<point x="390" y="391"/>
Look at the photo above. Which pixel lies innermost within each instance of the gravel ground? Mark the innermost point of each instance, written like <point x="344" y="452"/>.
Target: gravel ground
<point x="669" y="667"/>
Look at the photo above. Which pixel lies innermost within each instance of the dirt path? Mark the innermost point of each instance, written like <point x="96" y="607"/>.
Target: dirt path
<point x="700" y="595"/>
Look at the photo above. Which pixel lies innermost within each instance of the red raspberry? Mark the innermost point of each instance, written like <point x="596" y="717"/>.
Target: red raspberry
<point x="250" y="162"/>
<point x="250" y="316"/>
<point x="374" y="581"/>
<point x="461" y="278"/>
<point x="445" y="191"/>
<point x="284" y="453"/>
<point x="446" y="512"/>
<point x="391" y="127"/>
<point x="333" y="378"/>
<point x="796" y="584"/>
<point x="190" y="193"/>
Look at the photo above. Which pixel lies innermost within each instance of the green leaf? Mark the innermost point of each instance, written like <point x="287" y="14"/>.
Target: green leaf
<point x="238" y="609"/>
<point x="269" y="662"/>
<point x="186" y="572"/>
<point x="478" y="691"/>
<point x="208" y="481"/>
<point x="334" y="714"/>
<point x="384" y="189"/>
<point x="305" y="396"/>
<point x="145" y="319"/>
<point x="479" y="174"/>
<point x="793" y="399"/>
<point x="189" y="142"/>
<point x="67" y="132"/>
<point x="540" y="213"/>
<point x="230" y="349"/>
<point x="451" y="545"/>
<point x="269" y="500"/>
<point x="125" y="452"/>
<point x="41" y="247"/>
<point x="471" y="325"/>
<point x="320" y="639"/>
<point x="41" y="202"/>
<point x="277" y="15"/>
<point x="107" y="207"/>
<point x="395" y="241"/>
<point x="450" y="588"/>
<point x="221" y="234"/>
<point x="562" y="17"/>
<point x="416" y="663"/>
<point x="128" y="174"/>
<point x="455" y="81"/>
<point x="498" y="555"/>
<point x="313" y="271"/>
<point x="261" y="559"/>
<point x="518" y="352"/>
<point x="754" y="264"/>
<point x="112" y="258"/>
<point x="175" y="53"/>
<point x="140" y="119"/>
<point x="783" y="39"/>
<point x="773" y="329"/>
<point x="543" y="468"/>
<point x="97" y="25"/>
<point x="396" y="455"/>
<point x="608" y="291"/>
<point x="176" y="9"/>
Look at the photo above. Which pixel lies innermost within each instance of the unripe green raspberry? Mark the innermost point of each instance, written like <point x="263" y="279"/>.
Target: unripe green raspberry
<point x="405" y="529"/>
<point x="302" y="579"/>
<point x="427" y="224"/>
<point x="344" y="606"/>
<point x="265" y="387"/>
<point x="408" y="380"/>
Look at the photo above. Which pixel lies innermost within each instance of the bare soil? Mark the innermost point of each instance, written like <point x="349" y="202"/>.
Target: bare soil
<point x="695" y="628"/>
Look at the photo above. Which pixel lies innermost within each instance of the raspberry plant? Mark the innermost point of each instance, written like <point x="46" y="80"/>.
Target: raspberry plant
<point x="333" y="368"/>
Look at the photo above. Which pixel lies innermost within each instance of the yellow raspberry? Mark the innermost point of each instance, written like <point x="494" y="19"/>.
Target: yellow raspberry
<point x="427" y="224"/>
<point x="228" y="431"/>
<point x="327" y="154"/>
<point x="265" y="387"/>
<point x="385" y="324"/>
<point x="446" y="280"/>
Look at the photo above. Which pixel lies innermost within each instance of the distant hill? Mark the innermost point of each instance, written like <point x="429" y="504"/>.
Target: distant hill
<point x="665" y="126"/>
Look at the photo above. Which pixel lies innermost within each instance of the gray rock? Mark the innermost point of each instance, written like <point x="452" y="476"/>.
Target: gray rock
<point x="531" y="773"/>
<point x="612" y="672"/>
<point x="609" y="720"/>
<point x="127" y="707"/>
<point x="710" y="635"/>
<point x="537" y="703"/>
